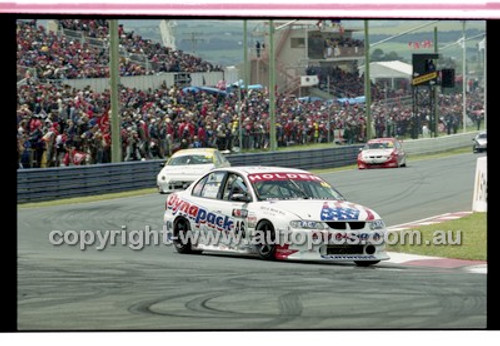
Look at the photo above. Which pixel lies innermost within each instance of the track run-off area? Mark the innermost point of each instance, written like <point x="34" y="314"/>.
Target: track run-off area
<point x="118" y="288"/>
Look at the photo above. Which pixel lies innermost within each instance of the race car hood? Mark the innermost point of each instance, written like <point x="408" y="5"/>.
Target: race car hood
<point x="481" y="141"/>
<point x="320" y="210"/>
<point x="187" y="169"/>
<point x="377" y="152"/>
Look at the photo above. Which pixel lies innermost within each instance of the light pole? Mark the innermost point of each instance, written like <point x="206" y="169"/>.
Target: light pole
<point x="329" y="111"/>
<point x="272" y="83"/>
<point x="367" y="84"/>
<point x="484" y="81"/>
<point x="114" y="73"/>
<point x="245" y="84"/>
<point x="436" y="113"/>
<point x="464" y="78"/>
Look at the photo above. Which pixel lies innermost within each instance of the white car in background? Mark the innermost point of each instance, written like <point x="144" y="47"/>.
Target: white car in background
<point x="186" y="166"/>
<point x="273" y="213"/>
<point x="480" y="142"/>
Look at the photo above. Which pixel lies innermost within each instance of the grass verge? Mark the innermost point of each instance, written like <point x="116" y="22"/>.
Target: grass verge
<point x="86" y="199"/>
<point x="472" y="245"/>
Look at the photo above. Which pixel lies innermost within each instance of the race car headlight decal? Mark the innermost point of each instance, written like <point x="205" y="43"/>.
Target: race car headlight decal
<point x="305" y="224"/>
<point x="377" y="224"/>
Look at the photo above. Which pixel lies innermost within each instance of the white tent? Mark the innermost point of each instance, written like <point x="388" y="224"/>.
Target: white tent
<point x="388" y="70"/>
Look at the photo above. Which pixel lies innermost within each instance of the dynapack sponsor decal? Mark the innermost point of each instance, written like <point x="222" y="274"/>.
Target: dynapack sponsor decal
<point x="199" y="214"/>
<point x="282" y="176"/>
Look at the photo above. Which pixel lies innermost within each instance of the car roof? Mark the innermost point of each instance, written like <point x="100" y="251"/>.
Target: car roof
<point x="195" y="151"/>
<point x="245" y="170"/>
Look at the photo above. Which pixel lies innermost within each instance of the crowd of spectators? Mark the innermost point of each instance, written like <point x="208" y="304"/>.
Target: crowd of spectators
<point x="161" y="58"/>
<point x="344" y="84"/>
<point x="61" y="125"/>
<point x="47" y="55"/>
<point x="334" y="46"/>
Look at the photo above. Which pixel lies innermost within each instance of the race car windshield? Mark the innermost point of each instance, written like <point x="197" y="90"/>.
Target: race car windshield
<point x="284" y="186"/>
<point x="379" y="145"/>
<point x="190" y="160"/>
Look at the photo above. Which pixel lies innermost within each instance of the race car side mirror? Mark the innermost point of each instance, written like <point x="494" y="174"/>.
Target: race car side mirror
<point x="240" y="197"/>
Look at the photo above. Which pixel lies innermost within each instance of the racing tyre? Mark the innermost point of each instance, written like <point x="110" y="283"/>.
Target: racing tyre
<point x="266" y="249"/>
<point x="182" y="242"/>
<point x="365" y="263"/>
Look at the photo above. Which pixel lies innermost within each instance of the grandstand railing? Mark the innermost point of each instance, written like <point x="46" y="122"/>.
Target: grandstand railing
<point x="21" y="72"/>
<point x="147" y="81"/>
<point x="351" y="52"/>
<point x="78" y="35"/>
<point x="54" y="183"/>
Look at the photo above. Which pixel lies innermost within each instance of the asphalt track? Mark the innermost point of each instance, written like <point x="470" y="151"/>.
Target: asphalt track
<point x="64" y="288"/>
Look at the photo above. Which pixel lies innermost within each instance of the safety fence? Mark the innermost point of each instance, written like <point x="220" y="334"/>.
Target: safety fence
<point x="54" y="183"/>
<point x="439" y="144"/>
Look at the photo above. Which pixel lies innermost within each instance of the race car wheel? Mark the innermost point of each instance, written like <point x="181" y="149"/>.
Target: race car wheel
<point x="182" y="241"/>
<point x="266" y="248"/>
<point x="365" y="263"/>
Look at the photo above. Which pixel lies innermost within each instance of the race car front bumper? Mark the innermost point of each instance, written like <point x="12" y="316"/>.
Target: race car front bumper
<point x="349" y="246"/>
<point x="378" y="163"/>
<point x="174" y="182"/>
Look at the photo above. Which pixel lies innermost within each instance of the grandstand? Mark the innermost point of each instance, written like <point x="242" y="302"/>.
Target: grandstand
<point x="86" y="42"/>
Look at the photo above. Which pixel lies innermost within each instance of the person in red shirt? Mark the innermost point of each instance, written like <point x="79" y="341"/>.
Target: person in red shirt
<point x="75" y="157"/>
<point x="202" y="134"/>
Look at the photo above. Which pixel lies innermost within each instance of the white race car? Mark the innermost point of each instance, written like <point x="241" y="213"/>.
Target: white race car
<point x="187" y="165"/>
<point x="480" y="142"/>
<point x="274" y="213"/>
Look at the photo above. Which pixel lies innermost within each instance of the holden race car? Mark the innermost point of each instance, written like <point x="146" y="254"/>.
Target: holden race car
<point x="273" y="213"/>
<point x="382" y="153"/>
<point x="187" y="165"/>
